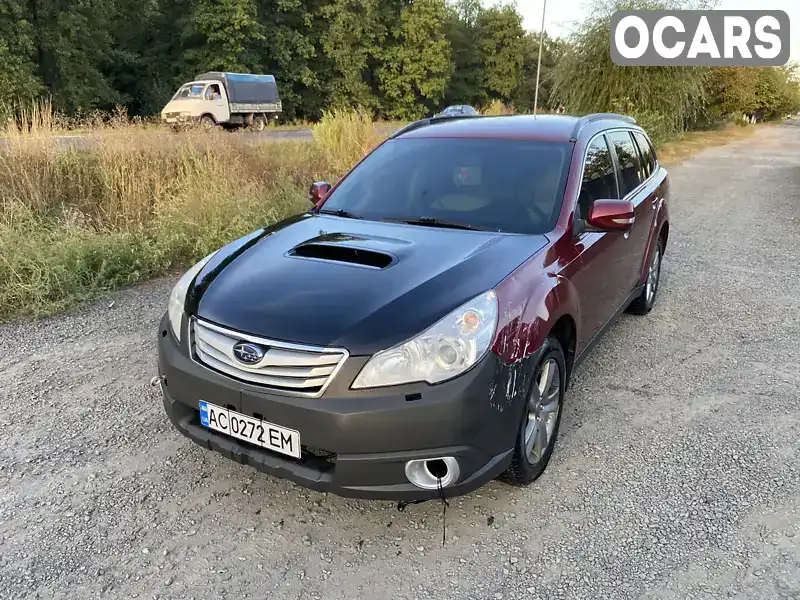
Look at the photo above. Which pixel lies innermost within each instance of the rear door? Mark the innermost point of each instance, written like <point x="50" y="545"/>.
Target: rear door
<point x="633" y="183"/>
<point x="654" y="191"/>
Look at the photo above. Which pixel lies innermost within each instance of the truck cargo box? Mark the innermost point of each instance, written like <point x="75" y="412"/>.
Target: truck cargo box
<point x="247" y="93"/>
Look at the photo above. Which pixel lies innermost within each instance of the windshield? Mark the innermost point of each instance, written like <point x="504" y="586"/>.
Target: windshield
<point x="513" y="186"/>
<point x="190" y="90"/>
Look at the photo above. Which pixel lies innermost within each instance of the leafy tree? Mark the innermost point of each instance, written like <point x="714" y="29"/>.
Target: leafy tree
<point x="767" y="92"/>
<point x="73" y="45"/>
<point x="291" y="49"/>
<point x="552" y="52"/>
<point x="19" y="80"/>
<point x="500" y="39"/>
<point x="416" y="67"/>
<point x="461" y="29"/>
<point x="357" y="29"/>
<point x="218" y="33"/>
<point x="666" y="99"/>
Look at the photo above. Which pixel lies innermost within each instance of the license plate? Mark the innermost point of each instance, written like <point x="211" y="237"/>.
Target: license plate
<point x="261" y="433"/>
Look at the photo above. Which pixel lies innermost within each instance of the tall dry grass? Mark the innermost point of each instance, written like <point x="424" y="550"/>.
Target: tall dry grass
<point x="129" y="204"/>
<point x="40" y="118"/>
<point x="345" y="136"/>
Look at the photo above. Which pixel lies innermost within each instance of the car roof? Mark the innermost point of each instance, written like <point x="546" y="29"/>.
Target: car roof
<point x="533" y="127"/>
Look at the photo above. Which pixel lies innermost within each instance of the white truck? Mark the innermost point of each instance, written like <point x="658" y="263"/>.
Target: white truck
<point x="230" y="100"/>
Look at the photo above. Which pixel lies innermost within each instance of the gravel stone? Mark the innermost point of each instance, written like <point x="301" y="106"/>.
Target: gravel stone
<point x="677" y="467"/>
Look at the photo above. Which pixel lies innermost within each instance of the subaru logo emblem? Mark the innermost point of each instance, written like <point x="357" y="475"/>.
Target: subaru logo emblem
<point x="247" y="353"/>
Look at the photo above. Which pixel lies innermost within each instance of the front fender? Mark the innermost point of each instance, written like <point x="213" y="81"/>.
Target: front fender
<point x="529" y="309"/>
<point x="530" y="303"/>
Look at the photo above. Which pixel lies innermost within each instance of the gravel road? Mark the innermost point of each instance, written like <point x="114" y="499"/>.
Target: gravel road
<point x="677" y="474"/>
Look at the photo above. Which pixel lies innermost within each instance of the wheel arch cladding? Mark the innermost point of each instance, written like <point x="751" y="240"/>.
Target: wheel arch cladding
<point x="530" y="309"/>
<point x="564" y="331"/>
<point x="664" y="235"/>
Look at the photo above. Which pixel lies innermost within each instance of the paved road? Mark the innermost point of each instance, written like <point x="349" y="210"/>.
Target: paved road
<point x="677" y="474"/>
<point x="88" y="140"/>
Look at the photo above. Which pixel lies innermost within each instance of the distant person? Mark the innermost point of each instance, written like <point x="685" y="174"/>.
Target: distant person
<point x="560" y="109"/>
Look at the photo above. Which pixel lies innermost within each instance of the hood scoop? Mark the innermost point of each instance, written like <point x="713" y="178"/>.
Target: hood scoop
<point x="343" y="253"/>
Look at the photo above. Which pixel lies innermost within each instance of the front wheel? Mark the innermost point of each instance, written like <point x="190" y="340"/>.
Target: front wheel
<point x="537" y="433"/>
<point x="207" y="122"/>
<point x="645" y="301"/>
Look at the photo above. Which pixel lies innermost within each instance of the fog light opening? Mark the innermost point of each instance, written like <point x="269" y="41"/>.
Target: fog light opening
<point x="429" y="473"/>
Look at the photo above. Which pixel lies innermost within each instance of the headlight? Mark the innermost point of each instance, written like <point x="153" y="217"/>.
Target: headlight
<point x="177" y="299"/>
<point x="442" y="352"/>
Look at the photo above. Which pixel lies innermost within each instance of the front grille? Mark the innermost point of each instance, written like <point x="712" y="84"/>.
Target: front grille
<point x="289" y="368"/>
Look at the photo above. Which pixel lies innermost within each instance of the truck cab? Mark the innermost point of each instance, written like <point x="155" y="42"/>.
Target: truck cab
<point x="230" y="100"/>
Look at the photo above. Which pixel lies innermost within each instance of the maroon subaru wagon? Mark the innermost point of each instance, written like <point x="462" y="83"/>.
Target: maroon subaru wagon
<point x="414" y="333"/>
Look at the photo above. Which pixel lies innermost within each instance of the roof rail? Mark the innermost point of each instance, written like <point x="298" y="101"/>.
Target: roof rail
<point x="430" y="121"/>
<point x="591" y="118"/>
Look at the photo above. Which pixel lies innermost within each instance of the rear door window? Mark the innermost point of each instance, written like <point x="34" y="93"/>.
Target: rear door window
<point x="630" y="167"/>
<point x="648" y="154"/>
<point x="599" y="181"/>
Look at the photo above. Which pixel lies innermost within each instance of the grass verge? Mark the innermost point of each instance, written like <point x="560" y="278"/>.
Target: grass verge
<point x="77" y="222"/>
<point x="691" y="142"/>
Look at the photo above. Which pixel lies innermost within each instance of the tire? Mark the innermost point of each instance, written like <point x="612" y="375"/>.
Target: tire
<point x="643" y="304"/>
<point x="529" y="460"/>
<point x="259" y="123"/>
<point x="207" y="122"/>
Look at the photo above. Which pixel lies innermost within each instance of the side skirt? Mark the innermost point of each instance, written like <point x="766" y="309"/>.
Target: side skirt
<point x="604" y="329"/>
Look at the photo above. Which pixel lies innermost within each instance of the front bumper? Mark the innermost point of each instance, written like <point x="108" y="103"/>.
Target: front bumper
<point x="177" y="118"/>
<point x="356" y="442"/>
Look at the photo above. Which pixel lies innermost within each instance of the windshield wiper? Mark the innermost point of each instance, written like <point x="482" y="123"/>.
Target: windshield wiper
<point x="432" y="222"/>
<point x="340" y="213"/>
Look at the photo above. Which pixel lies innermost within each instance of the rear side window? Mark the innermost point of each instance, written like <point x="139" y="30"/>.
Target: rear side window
<point x="648" y="155"/>
<point x="630" y="167"/>
<point x="599" y="181"/>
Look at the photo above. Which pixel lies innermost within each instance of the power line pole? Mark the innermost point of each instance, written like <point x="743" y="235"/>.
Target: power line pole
<point x="539" y="65"/>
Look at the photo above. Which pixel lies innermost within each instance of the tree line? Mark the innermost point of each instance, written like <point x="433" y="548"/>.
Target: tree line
<point x="401" y="59"/>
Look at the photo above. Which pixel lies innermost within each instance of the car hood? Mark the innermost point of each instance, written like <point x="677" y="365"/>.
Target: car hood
<point x="362" y="285"/>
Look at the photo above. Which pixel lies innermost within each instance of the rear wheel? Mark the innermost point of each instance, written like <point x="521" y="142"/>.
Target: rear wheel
<point x="259" y="123"/>
<point x="645" y="301"/>
<point x="538" y="431"/>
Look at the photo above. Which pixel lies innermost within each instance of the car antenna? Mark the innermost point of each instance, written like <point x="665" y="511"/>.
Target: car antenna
<point x="401" y="506"/>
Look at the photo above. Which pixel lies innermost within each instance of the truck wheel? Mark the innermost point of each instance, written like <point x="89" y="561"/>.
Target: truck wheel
<point x="207" y="122"/>
<point x="259" y="123"/>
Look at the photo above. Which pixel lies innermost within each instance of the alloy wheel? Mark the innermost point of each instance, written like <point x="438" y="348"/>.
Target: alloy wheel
<point x="543" y="410"/>
<point x="653" y="275"/>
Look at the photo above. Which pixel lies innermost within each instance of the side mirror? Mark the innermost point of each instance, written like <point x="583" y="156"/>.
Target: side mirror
<point x="318" y="190"/>
<point x="611" y="215"/>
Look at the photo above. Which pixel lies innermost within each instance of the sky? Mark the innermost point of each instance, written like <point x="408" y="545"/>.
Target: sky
<point x="561" y="14"/>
